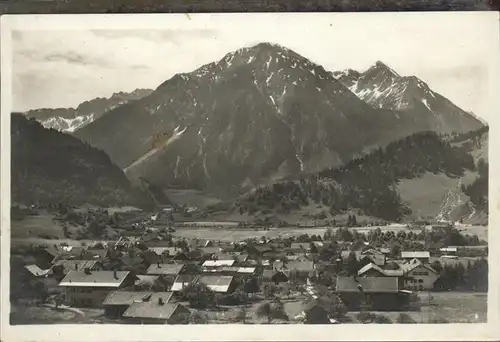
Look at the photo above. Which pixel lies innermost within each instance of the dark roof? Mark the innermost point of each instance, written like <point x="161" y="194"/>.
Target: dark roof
<point x="152" y="309"/>
<point x="75" y="265"/>
<point x="298" y="265"/>
<point x="210" y="249"/>
<point x="368" y="284"/>
<point x="229" y="256"/>
<point x="125" y="297"/>
<point x="146" y="279"/>
<point x="268" y="274"/>
<point x="165" y="269"/>
<point x="301" y="245"/>
<point x="95" y="278"/>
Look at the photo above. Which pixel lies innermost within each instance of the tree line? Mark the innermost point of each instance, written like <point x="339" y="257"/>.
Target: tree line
<point x="368" y="183"/>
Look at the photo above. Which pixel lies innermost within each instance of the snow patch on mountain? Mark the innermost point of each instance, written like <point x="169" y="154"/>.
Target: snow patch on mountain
<point x="67" y="125"/>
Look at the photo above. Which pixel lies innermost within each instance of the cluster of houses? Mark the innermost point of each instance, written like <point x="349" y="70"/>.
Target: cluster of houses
<point x="127" y="282"/>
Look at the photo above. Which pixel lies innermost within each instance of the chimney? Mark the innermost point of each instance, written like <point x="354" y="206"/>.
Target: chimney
<point x="115" y="275"/>
<point x="160" y="301"/>
<point x="76" y="267"/>
<point x="158" y="264"/>
<point x="87" y="270"/>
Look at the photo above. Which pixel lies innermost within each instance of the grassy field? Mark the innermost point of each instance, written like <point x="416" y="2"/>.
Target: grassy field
<point x="229" y="234"/>
<point x="37" y="226"/>
<point x="455" y="307"/>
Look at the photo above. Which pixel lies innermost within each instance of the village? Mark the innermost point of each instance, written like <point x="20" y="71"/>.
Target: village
<point x="148" y="274"/>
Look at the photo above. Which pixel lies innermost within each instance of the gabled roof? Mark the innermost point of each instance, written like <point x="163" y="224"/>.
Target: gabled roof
<point x="217" y="283"/>
<point x="146" y="279"/>
<point x="368" y="284"/>
<point x="170" y="251"/>
<point x="183" y="280"/>
<point x="268" y="274"/>
<point x="37" y="271"/>
<point x="75" y="265"/>
<point x="94" y="279"/>
<point x="216" y="263"/>
<point x="415" y="254"/>
<point x="165" y="269"/>
<point x="370" y="266"/>
<point x="234" y="269"/>
<point x="125" y="297"/>
<point x="210" y="250"/>
<point x="228" y="256"/>
<point x="298" y="265"/>
<point x="152" y="310"/>
<point x="301" y="245"/>
<point x="411" y="265"/>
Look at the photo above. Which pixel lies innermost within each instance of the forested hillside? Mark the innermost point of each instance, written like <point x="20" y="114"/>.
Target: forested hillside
<point x="368" y="183"/>
<point x="52" y="167"/>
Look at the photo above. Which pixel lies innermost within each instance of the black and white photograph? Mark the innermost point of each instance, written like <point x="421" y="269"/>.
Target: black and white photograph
<point x="249" y="169"/>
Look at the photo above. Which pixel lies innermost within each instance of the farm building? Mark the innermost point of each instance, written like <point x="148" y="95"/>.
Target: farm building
<point x="373" y="293"/>
<point x="88" y="288"/>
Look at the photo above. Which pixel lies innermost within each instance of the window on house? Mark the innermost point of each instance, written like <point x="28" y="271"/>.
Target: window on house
<point x="420" y="280"/>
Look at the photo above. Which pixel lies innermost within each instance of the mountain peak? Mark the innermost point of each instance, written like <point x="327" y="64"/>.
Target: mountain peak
<point x="382" y="67"/>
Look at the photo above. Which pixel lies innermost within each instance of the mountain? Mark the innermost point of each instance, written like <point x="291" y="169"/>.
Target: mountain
<point x="370" y="185"/>
<point x="49" y="166"/>
<point x="259" y="114"/>
<point x="72" y="119"/>
<point x="382" y="87"/>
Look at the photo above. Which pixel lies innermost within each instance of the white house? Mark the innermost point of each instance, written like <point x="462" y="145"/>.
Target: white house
<point x="89" y="288"/>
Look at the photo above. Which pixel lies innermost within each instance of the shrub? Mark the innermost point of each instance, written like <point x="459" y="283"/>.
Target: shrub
<point x="404" y="318"/>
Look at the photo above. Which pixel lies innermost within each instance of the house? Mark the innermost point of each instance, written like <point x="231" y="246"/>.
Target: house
<point x="45" y="256"/>
<point x="86" y="288"/>
<point x="220" y="284"/>
<point x="231" y="270"/>
<point x="37" y="272"/>
<point x="165" y="251"/>
<point x="373" y="293"/>
<point x="371" y="270"/>
<point x="240" y="258"/>
<point x="63" y="267"/>
<point x="147" y="280"/>
<point x="418" y="275"/>
<point x="449" y="250"/>
<point x="299" y="270"/>
<point x="274" y="276"/>
<point x="181" y="281"/>
<point x="423" y="256"/>
<point x="210" y="250"/>
<point x="218" y="263"/>
<point x="165" y="269"/>
<point x="414" y="275"/>
<point x="300" y="247"/>
<point x="117" y="302"/>
<point x="157" y="312"/>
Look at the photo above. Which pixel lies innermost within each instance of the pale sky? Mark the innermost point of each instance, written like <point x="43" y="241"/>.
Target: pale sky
<point x="62" y="68"/>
